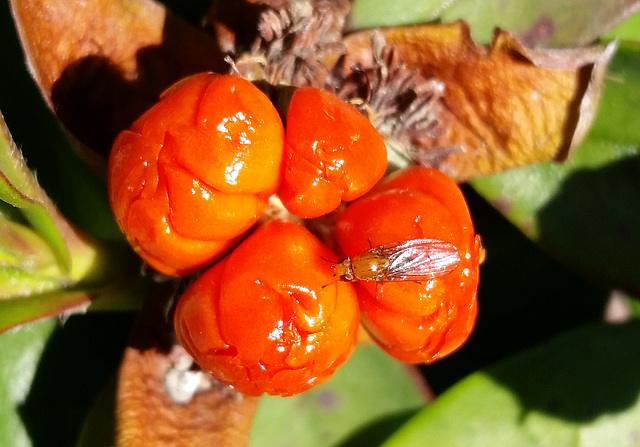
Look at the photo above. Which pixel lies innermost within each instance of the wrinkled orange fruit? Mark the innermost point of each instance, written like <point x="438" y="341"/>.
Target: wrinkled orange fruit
<point x="332" y="154"/>
<point x="415" y="321"/>
<point x="267" y="318"/>
<point x="195" y="171"/>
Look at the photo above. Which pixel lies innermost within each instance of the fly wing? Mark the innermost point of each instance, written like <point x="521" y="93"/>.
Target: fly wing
<point x="419" y="259"/>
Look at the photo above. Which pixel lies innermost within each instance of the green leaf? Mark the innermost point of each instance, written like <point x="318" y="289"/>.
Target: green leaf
<point x="585" y="212"/>
<point x="546" y="22"/>
<point x="634" y="306"/>
<point x="371" y="394"/>
<point x="621" y="93"/>
<point x="373" y="13"/>
<point x="20" y="244"/>
<point x="627" y="30"/>
<point x="41" y="250"/>
<point x="19" y="189"/>
<point x="19" y="356"/>
<point x="573" y="22"/>
<point x="47" y="266"/>
<point x="50" y="375"/>
<point x="580" y="389"/>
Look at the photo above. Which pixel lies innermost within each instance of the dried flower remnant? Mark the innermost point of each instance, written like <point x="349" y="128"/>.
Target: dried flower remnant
<point x="294" y="43"/>
<point x="401" y="103"/>
<point x="439" y="98"/>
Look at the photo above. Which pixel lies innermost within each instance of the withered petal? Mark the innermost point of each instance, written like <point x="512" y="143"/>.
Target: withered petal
<point x="503" y="105"/>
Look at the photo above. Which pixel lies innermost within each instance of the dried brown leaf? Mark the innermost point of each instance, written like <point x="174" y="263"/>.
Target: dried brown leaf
<point x="161" y="401"/>
<point x="101" y="63"/>
<point x="503" y="106"/>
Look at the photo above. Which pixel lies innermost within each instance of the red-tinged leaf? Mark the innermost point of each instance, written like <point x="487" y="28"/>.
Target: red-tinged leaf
<point x="502" y="106"/>
<point x="125" y="295"/>
<point x="101" y="63"/>
<point x="161" y="401"/>
<point x="38" y="306"/>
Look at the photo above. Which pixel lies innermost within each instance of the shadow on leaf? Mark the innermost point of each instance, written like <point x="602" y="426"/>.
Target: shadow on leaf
<point x="525" y="298"/>
<point x="593" y="223"/>
<point x="95" y="100"/>
<point x="578" y="376"/>
<point x="375" y="433"/>
<point x="79" y="359"/>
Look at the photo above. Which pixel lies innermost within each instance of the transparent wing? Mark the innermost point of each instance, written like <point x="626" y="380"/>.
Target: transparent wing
<point x="419" y="259"/>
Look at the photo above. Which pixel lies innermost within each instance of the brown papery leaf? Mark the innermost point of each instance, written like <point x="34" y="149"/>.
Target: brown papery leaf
<point x="101" y="63"/>
<point x="503" y="106"/>
<point x="162" y="400"/>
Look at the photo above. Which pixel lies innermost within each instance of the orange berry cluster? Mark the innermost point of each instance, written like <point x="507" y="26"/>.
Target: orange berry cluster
<point x="192" y="177"/>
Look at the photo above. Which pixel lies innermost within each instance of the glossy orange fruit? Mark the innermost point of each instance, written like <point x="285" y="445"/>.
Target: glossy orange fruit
<point x="264" y="320"/>
<point x="416" y="321"/>
<point x="332" y="154"/>
<point x="195" y="171"/>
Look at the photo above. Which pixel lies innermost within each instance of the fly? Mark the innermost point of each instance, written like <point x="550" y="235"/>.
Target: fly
<point x="412" y="260"/>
